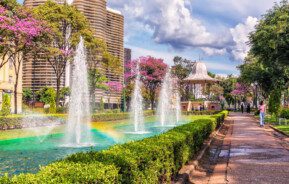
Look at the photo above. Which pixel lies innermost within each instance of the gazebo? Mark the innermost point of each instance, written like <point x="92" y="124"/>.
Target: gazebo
<point x="195" y="83"/>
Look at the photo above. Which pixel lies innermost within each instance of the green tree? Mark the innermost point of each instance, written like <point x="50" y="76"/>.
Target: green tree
<point x="27" y="95"/>
<point x="228" y="84"/>
<point x="9" y="4"/>
<point x="270" y="45"/>
<point x="216" y="90"/>
<point x="46" y="95"/>
<point x="68" y="25"/>
<point x="275" y="102"/>
<point x="182" y="69"/>
<point x="96" y="81"/>
<point x="64" y="92"/>
<point x="5" y="110"/>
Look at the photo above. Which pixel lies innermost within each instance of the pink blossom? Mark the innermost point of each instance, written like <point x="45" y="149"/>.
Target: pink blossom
<point x="114" y="86"/>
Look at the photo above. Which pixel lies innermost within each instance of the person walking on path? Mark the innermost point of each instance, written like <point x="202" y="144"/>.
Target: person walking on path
<point x="262" y="109"/>
<point x="248" y="107"/>
<point x="242" y="107"/>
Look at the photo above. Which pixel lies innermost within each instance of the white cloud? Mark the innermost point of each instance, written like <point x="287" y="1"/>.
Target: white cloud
<point x="168" y="57"/>
<point x="211" y="51"/>
<point x="213" y="26"/>
<point x="240" y="36"/>
<point x="172" y="23"/>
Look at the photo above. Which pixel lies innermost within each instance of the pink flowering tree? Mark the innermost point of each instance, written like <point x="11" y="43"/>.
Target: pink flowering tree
<point x="114" y="87"/>
<point x="20" y="33"/>
<point x="152" y="72"/>
<point x="240" y="90"/>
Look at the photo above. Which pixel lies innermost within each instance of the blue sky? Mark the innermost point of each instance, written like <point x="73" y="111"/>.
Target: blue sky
<point x="216" y="31"/>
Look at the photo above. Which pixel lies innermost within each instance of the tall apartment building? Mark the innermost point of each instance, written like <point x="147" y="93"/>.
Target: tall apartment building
<point x="107" y="25"/>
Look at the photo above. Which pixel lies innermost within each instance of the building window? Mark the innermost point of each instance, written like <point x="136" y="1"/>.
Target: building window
<point x="10" y="79"/>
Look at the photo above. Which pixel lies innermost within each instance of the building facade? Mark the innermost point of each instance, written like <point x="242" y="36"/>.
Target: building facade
<point x="107" y="25"/>
<point x="7" y="81"/>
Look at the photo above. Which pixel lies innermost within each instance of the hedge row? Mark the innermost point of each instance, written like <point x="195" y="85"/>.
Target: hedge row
<point x="116" y="116"/>
<point x="23" y="121"/>
<point x="207" y="112"/>
<point x="152" y="160"/>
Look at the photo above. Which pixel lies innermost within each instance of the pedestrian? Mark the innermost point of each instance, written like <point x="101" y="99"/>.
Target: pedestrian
<point x="262" y="109"/>
<point x="242" y="107"/>
<point x="248" y="107"/>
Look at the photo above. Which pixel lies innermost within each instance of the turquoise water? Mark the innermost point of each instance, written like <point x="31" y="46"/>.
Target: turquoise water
<point x="26" y="155"/>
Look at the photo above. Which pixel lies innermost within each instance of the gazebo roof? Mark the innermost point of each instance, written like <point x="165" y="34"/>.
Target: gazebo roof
<point x="200" y="74"/>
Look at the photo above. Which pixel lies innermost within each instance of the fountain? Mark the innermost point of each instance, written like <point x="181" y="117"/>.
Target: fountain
<point x="77" y="129"/>
<point x="136" y="106"/>
<point x="169" y="108"/>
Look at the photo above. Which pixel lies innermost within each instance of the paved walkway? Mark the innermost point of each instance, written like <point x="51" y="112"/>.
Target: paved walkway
<point x="251" y="154"/>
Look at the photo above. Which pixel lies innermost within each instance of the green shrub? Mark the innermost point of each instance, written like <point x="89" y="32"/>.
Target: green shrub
<point x="5" y="110"/>
<point x="284" y="113"/>
<point x="52" y="108"/>
<point x="69" y="172"/>
<point x="113" y="116"/>
<point x="152" y="160"/>
<point x="211" y="112"/>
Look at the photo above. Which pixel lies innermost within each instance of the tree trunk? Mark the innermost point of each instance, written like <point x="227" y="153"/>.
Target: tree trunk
<point x="15" y="96"/>
<point x="57" y="92"/>
<point x="92" y="97"/>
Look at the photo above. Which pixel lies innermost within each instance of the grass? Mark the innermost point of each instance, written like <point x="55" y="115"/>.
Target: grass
<point x="272" y="121"/>
<point x="283" y="128"/>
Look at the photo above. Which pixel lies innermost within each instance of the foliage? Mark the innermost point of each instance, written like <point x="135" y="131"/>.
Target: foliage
<point x="253" y="71"/>
<point x="46" y="95"/>
<point x="101" y="105"/>
<point x="240" y="89"/>
<point x="270" y="47"/>
<point x="181" y="69"/>
<point x="228" y="85"/>
<point x="152" y="72"/>
<point x="69" y="172"/>
<point x="52" y="108"/>
<point x="275" y="102"/>
<point x="211" y="74"/>
<point x="64" y="92"/>
<point x="27" y="95"/>
<point x="9" y="4"/>
<point x="20" y="33"/>
<point x="152" y="160"/>
<point x="284" y="113"/>
<point x="114" y="86"/>
<point x="22" y="121"/>
<point x="5" y="109"/>
<point x="68" y="25"/>
<point x="216" y="90"/>
<point x="115" y="116"/>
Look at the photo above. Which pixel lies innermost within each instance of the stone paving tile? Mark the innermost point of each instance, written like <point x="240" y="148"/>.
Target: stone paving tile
<point x="255" y="155"/>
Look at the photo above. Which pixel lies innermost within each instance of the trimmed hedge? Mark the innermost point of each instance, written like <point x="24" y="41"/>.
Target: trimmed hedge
<point x="116" y="116"/>
<point x="23" y="121"/>
<point x="152" y="160"/>
<point x="200" y="112"/>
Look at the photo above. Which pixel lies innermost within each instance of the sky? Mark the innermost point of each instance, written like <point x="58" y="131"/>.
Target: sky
<point x="213" y="31"/>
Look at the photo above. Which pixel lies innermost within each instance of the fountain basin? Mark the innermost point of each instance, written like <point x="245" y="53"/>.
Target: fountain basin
<point x="26" y="154"/>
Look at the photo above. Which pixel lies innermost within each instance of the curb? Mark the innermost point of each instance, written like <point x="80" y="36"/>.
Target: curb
<point x="191" y="167"/>
<point x="279" y="131"/>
